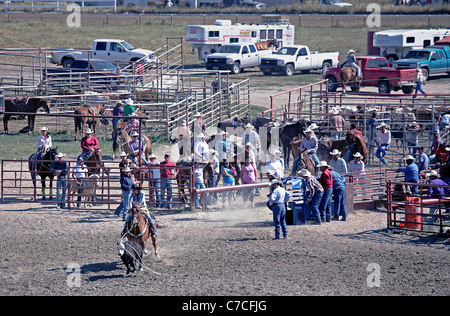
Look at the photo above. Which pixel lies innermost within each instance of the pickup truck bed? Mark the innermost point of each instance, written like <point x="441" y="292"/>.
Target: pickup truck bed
<point x="376" y="73"/>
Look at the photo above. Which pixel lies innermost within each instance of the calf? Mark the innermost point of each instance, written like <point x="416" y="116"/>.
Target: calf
<point x="131" y="254"/>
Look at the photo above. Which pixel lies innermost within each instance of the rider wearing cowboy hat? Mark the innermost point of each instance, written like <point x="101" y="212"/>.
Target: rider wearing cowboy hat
<point x="43" y="143"/>
<point x="134" y="147"/>
<point x="138" y="199"/>
<point x="89" y="144"/>
<point x="351" y="61"/>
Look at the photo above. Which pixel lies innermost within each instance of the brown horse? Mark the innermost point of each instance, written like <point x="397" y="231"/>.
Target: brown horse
<point x="137" y="229"/>
<point x="348" y="77"/>
<point x="82" y="121"/>
<point x="25" y="106"/>
<point x="360" y="145"/>
<point x="267" y="44"/>
<point x="122" y="139"/>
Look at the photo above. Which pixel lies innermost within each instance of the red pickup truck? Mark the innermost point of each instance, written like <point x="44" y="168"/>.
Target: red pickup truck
<point x="376" y="73"/>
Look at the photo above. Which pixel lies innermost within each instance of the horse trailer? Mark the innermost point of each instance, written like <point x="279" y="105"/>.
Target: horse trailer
<point x="207" y="39"/>
<point x="395" y="44"/>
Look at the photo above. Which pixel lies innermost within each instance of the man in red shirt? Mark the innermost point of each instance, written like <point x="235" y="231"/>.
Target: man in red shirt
<point x="167" y="177"/>
<point x="89" y="144"/>
<point x="326" y="180"/>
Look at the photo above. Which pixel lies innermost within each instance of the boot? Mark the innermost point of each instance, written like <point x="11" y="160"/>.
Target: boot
<point x="152" y="230"/>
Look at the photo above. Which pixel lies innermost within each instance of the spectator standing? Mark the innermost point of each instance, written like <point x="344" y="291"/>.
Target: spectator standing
<point x="424" y="161"/>
<point x="117" y="111"/>
<point x="201" y="149"/>
<point x="339" y="165"/>
<point x="437" y="142"/>
<point x="79" y="173"/>
<point x="248" y="176"/>
<point x="216" y="171"/>
<point x="277" y="203"/>
<point x="275" y="165"/>
<point x="199" y="182"/>
<point x="252" y="137"/>
<point x="155" y="180"/>
<point x="337" y="124"/>
<point x="420" y="81"/>
<point x="167" y="178"/>
<point x="223" y="146"/>
<point x="339" y="195"/>
<point x="372" y="124"/>
<point x="59" y="168"/>
<point x="228" y="180"/>
<point x="128" y="109"/>
<point x="198" y="126"/>
<point x="412" y="138"/>
<point x="326" y="180"/>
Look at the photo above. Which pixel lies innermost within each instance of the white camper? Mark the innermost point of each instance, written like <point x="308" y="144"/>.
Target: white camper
<point x="395" y="44"/>
<point x="207" y="39"/>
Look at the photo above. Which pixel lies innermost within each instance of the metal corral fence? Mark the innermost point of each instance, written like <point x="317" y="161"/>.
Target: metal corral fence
<point x="56" y="5"/>
<point x="418" y="213"/>
<point x="17" y="186"/>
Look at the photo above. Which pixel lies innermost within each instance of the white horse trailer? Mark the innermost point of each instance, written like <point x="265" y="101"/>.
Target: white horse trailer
<point x="207" y="39"/>
<point x="395" y="44"/>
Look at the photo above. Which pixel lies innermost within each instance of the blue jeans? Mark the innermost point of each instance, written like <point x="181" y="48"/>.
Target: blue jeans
<point x="200" y="185"/>
<point x="381" y="152"/>
<point x="126" y="203"/>
<point x="325" y="204"/>
<point x="114" y="123"/>
<point x="314" y="205"/>
<point x="166" y="184"/>
<point x="61" y="190"/>
<point x="419" y="88"/>
<point x="339" y="203"/>
<point x="279" y="220"/>
<point x="155" y="192"/>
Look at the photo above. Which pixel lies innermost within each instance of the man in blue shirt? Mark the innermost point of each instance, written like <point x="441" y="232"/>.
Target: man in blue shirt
<point x="277" y="202"/>
<point x="424" y="161"/>
<point x="59" y="168"/>
<point x="411" y="172"/>
<point x="339" y="195"/>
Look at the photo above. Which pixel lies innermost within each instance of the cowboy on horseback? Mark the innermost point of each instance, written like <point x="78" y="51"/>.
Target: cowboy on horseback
<point x="310" y="145"/>
<point x="138" y="199"/>
<point x="43" y="143"/>
<point x="89" y="144"/>
<point x="134" y="147"/>
<point x="351" y="60"/>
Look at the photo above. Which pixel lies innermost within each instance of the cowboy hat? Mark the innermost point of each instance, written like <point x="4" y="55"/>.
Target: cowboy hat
<point x="304" y="173"/>
<point x="43" y="128"/>
<point x="409" y="157"/>
<point x="334" y="111"/>
<point x="313" y="126"/>
<point x="350" y="51"/>
<point x="308" y="130"/>
<point x="152" y="156"/>
<point x="335" y="152"/>
<point x="134" y="134"/>
<point x="123" y="154"/>
<point x="433" y="173"/>
<point x="129" y="101"/>
<point x="201" y="135"/>
<point x="183" y="122"/>
<point x="127" y="169"/>
<point x="275" y="181"/>
<point x="248" y="125"/>
<point x="357" y="155"/>
<point x="88" y="131"/>
<point x="323" y="164"/>
<point x="383" y="124"/>
<point x="224" y="133"/>
<point x="60" y="155"/>
<point x="271" y="172"/>
<point x="197" y="114"/>
<point x="249" y="144"/>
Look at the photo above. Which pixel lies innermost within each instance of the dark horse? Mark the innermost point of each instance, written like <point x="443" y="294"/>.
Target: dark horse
<point x="42" y="168"/>
<point x="25" y="106"/>
<point x="288" y="131"/>
<point x="137" y="229"/>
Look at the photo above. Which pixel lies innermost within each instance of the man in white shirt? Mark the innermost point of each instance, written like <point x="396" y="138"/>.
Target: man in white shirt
<point x="251" y="136"/>
<point x="155" y="180"/>
<point x="384" y="141"/>
<point x="201" y="149"/>
<point x="43" y="143"/>
<point x="79" y="172"/>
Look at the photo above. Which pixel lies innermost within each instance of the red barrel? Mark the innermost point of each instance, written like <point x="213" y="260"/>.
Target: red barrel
<point x="414" y="217"/>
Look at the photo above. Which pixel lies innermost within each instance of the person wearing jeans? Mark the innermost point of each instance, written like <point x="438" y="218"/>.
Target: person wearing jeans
<point x="59" y="168"/>
<point x="384" y="141"/>
<point x="315" y="193"/>
<point x="167" y="176"/>
<point x="125" y="185"/>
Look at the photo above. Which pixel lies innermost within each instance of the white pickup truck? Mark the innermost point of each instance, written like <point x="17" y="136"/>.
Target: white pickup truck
<point x="236" y="57"/>
<point x="118" y="52"/>
<point x="288" y="59"/>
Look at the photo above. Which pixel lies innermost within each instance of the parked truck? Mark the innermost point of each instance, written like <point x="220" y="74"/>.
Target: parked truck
<point x="434" y="60"/>
<point x="293" y="58"/>
<point x="118" y="52"/>
<point x="376" y="73"/>
<point x="236" y="57"/>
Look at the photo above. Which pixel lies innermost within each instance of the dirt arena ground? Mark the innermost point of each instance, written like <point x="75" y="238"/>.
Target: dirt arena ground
<point x="45" y="251"/>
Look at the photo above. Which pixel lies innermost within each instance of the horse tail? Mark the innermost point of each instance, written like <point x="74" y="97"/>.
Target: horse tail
<point x="77" y="122"/>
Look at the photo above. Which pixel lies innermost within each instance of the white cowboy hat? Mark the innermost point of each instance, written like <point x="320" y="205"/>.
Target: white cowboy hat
<point x="383" y="124"/>
<point x="129" y="101"/>
<point x="60" y="155"/>
<point x="323" y="164"/>
<point x="197" y="114"/>
<point x="334" y="111"/>
<point x="304" y="173"/>
<point x="127" y="169"/>
<point x="433" y="173"/>
<point x="88" y="131"/>
<point x="123" y="154"/>
<point x="134" y="134"/>
<point x="409" y="157"/>
<point x="313" y="126"/>
<point x="277" y="152"/>
<point x="271" y="172"/>
<point x="350" y="51"/>
<point x="357" y="155"/>
<point x="308" y="130"/>
<point x="447" y="148"/>
<point x="224" y="133"/>
<point x="249" y="144"/>
<point x="43" y="128"/>
<point x="201" y="135"/>
<point x="335" y="152"/>
<point x="275" y="181"/>
<point x="248" y="125"/>
<point x="152" y="156"/>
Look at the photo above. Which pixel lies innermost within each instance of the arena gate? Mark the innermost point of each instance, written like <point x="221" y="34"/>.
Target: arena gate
<point x="17" y="187"/>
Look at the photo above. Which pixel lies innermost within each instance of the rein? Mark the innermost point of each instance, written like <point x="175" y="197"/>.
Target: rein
<point x="134" y="225"/>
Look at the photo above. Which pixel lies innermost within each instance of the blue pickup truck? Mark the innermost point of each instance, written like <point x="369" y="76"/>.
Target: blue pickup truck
<point x="434" y="60"/>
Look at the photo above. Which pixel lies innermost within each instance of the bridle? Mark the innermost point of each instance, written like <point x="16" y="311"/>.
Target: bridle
<point x="136" y="219"/>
